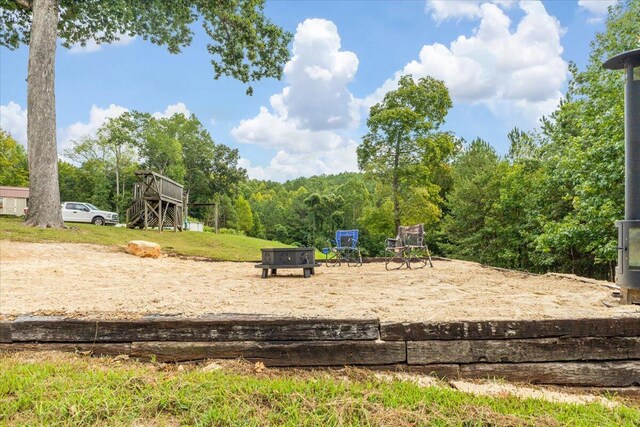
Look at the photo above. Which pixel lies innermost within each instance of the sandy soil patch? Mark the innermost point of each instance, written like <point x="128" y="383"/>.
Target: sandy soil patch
<point x="96" y="281"/>
<point x="501" y="389"/>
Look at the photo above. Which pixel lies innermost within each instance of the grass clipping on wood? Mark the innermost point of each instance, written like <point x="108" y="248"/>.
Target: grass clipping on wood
<point x="56" y="389"/>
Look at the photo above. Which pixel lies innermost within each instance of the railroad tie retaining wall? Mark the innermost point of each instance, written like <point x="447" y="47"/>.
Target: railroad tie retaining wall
<point x="578" y="352"/>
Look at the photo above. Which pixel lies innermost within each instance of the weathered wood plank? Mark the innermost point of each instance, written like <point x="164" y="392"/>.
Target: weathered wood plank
<point x="523" y="350"/>
<point x="582" y="374"/>
<point x="5" y="331"/>
<point x="629" y="392"/>
<point x="308" y="353"/>
<point x="507" y="329"/>
<point x="447" y="371"/>
<point x="225" y="328"/>
<point x="110" y="349"/>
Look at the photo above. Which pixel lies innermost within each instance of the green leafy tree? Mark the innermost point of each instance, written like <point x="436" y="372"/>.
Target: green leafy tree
<point x="115" y="155"/>
<point x="14" y="169"/>
<point x="227" y="215"/>
<point x="88" y="182"/>
<point x="403" y="145"/>
<point x="161" y="148"/>
<point x="119" y="137"/>
<point x="513" y="218"/>
<point x="325" y="214"/>
<point x="523" y="145"/>
<point x="244" y="45"/>
<point x="476" y="174"/>
<point x="356" y="196"/>
<point x="177" y="146"/>
<point x="280" y="233"/>
<point x="258" y="229"/>
<point x="377" y="223"/>
<point x="225" y="175"/>
<point x="244" y="215"/>
<point x="584" y="156"/>
<point x="69" y="177"/>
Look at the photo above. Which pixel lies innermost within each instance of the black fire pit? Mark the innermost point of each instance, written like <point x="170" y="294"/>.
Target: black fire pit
<point x="276" y="258"/>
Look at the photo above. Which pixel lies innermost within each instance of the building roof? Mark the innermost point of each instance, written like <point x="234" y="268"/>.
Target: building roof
<point x="17" y="192"/>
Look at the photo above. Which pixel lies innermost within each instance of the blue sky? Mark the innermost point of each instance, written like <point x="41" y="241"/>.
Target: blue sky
<point x="505" y="63"/>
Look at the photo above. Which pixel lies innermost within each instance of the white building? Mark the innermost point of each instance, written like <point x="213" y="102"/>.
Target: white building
<point x="13" y="200"/>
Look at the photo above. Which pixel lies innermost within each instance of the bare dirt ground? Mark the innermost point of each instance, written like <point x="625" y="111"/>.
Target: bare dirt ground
<point x="79" y="280"/>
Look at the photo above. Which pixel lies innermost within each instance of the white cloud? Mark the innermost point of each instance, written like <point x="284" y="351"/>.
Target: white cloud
<point x="91" y="45"/>
<point x="318" y="74"/>
<point x="13" y="119"/>
<point x="97" y="116"/>
<point x="520" y="72"/>
<point x="300" y="151"/>
<point x="172" y="109"/>
<point x="598" y="7"/>
<point x="308" y="119"/>
<point x="442" y="10"/>
<point x="275" y="132"/>
<point x="286" y="165"/>
<point x="594" y="20"/>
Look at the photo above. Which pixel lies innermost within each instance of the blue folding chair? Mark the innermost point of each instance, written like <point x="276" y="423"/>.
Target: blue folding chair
<point x="343" y="249"/>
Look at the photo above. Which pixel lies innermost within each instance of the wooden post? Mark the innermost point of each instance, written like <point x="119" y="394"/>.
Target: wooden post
<point x="185" y="210"/>
<point x="160" y="214"/>
<point x="177" y="218"/>
<point x="215" y="210"/>
<point x="146" y="215"/>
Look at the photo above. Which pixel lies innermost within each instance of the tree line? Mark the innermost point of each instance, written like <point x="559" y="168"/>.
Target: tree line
<point x="549" y="204"/>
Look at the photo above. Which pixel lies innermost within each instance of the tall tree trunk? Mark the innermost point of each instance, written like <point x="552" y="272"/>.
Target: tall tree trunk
<point x="396" y="185"/>
<point x="117" y="156"/>
<point x="44" y="190"/>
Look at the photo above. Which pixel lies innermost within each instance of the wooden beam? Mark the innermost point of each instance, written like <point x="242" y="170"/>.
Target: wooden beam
<point x="440" y="370"/>
<point x="5" y="332"/>
<point x="307" y="353"/>
<point x="110" y="349"/>
<point x="223" y="328"/>
<point x="507" y="329"/>
<point x="153" y="206"/>
<point x="146" y="214"/>
<point x="579" y="374"/>
<point x="523" y="350"/>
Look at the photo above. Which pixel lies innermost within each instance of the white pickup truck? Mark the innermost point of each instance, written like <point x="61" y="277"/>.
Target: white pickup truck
<point x="86" y="212"/>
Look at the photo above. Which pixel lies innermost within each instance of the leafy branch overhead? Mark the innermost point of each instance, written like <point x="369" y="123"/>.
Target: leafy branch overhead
<point x="244" y="44"/>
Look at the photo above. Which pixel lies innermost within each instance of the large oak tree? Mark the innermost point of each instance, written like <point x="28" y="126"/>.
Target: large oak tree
<point x="244" y="45"/>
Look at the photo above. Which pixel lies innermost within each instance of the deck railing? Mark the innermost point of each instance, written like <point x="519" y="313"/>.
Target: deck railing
<point x="157" y="201"/>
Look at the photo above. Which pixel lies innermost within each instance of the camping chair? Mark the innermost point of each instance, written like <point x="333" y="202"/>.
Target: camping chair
<point x="409" y="247"/>
<point x="343" y="249"/>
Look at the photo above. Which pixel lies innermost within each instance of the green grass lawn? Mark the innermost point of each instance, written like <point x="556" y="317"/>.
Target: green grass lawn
<point x="54" y="389"/>
<point x="224" y="247"/>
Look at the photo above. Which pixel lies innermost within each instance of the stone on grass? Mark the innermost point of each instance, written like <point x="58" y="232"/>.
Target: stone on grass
<point x="144" y="249"/>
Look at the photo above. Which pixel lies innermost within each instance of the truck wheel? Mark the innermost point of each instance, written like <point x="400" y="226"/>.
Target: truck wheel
<point x="98" y="220"/>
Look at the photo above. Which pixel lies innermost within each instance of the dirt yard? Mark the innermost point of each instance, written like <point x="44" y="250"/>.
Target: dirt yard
<point x="94" y="281"/>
